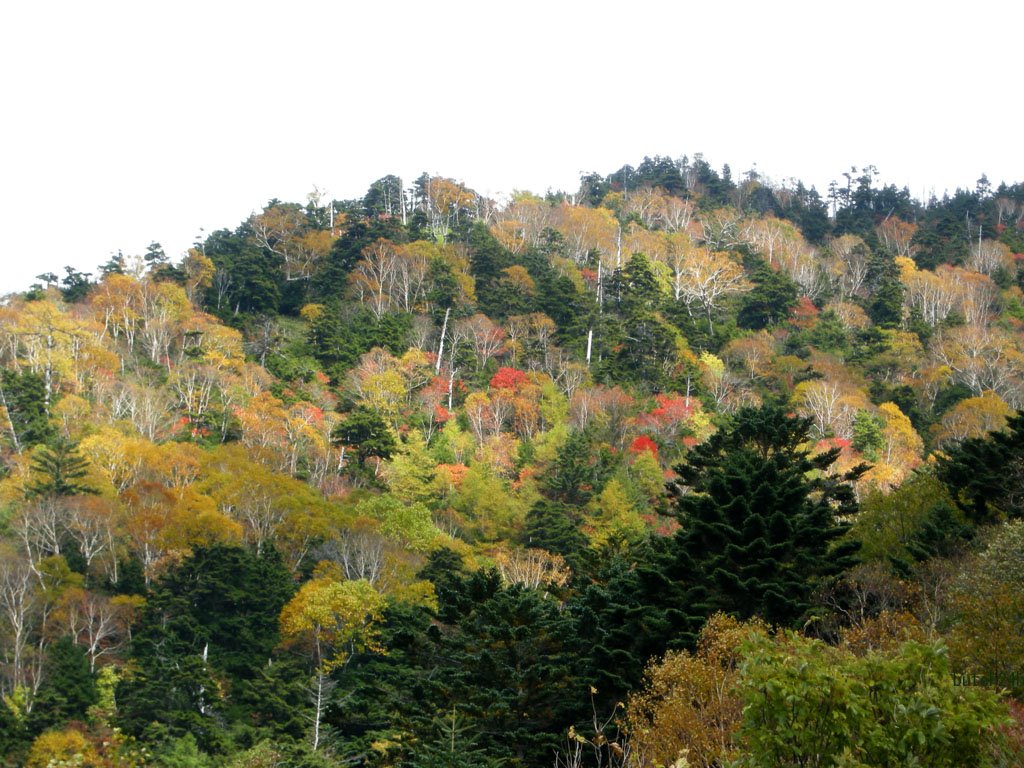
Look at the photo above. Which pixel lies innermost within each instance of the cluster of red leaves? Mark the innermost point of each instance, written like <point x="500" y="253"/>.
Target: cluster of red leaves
<point x="511" y="379"/>
<point x="644" y="443"/>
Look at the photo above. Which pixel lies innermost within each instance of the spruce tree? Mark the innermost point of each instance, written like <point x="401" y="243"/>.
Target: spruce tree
<point x="59" y="470"/>
<point x="985" y="475"/>
<point x="760" y="517"/>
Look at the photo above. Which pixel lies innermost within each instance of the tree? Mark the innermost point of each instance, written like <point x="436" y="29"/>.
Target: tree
<point x="579" y="471"/>
<point x="367" y="434"/>
<point x="332" y="621"/>
<point x="985" y="475"/>
<point x="690" y="703"/>
<point x="68" y="688"/>
<point x="208" y="627"/>
<point x="283" y="230"/>
<point x="23" y="399"/>
<point x="759" y="519"/>
<point x="59" y="470"/>
<point x="506" y="658"/>
<point x="707" y="277"/>
<point x="769" y="301"/>
<point x="973" y="417"/>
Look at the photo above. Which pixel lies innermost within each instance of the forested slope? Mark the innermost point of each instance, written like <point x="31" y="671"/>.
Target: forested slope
<point x="429" y="479"/>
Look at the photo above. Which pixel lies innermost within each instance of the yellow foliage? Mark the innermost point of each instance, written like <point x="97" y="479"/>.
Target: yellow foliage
<point x="312" y="312"/>
<point x="68" y="747"/>
<point x="690" y="702"/>
<point x="613" y="519"/>
<point x="335" y="618"/>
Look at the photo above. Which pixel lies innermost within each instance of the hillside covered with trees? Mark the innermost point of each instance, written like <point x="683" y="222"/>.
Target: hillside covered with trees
<point x="675" y="469"/>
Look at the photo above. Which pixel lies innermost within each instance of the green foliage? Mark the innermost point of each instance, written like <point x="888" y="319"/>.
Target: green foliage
<point x="773" y="296"/>
<point x="487" y="259"/>
<point x="452" y="745"/>
<point x="579" y="471"/>
<point x="867" y="434"/>
<point x="985" y="475"/>
<point x="759" y="519"/>
<point x="641" y="349"/>
<point x="213" y="616"/>
<point x="554" y="526"/>
<point x="23" y="394"/>
<point x="409" y="524"/>
<point x="829" y="334"/>
<point x="339" y="336"/>
<point x="248" y="279"/>
<point x="366" y="434"/>
<point x="412" y="470"/>
<point x="508" y="663"/>
<point x="182" y="752"/>
<point x="811" y="705"/>
<point x="910" y="523"/>
<point x="68" y="688"/>
<point x="627" y="613"/>
<point x="633" y="289"/>
<point x="487" y="506"/>
<point x="58" y="469"/>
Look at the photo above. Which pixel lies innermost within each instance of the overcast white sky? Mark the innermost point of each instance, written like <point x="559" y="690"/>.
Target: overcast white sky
<point x="127" y="122"/>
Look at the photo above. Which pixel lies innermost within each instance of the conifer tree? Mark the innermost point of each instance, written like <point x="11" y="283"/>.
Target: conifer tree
<point x="760" y="517"/>
<point x="59" y="470"/>
<point x="985" y="475"/>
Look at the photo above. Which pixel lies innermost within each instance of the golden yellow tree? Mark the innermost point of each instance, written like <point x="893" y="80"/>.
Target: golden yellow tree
<point x="691" y="702"/>
<point x="331" y="621"/>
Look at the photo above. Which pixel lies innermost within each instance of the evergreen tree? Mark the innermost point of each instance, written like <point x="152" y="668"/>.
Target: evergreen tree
<point x="68" y="688"/>
<point x="773" y="296"/>
<point x="580" y="470"/>
<point x="634" y="289"/>
<point x="487" y="259"/>
<point x="172" y="690"/>
<point x="554" y="526"/>
<point x="760" y="518"/>
<point x="985" y="475"/>
<point x="627" y="612"/>
<point x="367" y="434"/>
<point x="23" y="394"/>
<point x="508" y="662"/>
<point x="76" y="285"/>
<point x="59" y="469"/>
<point x="212" y="620"/>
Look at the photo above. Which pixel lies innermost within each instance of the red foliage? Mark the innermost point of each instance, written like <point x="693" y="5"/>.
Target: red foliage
<point x="828" y="443"/>
<point x="672" y="409"/>
<point x="660" y="526"/>
<point x="441" y="414"/>
<point x="454" y="474"/>
<point x="804" y="314"/>
<point x="508" y="378"/>
<point x="644" y="443"/>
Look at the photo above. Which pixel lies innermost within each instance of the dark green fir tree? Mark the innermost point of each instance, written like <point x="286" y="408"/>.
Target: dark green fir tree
<point x="760" y="520"/>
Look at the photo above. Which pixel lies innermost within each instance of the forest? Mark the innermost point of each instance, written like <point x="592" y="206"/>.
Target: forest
<point x="672" y="470"/>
